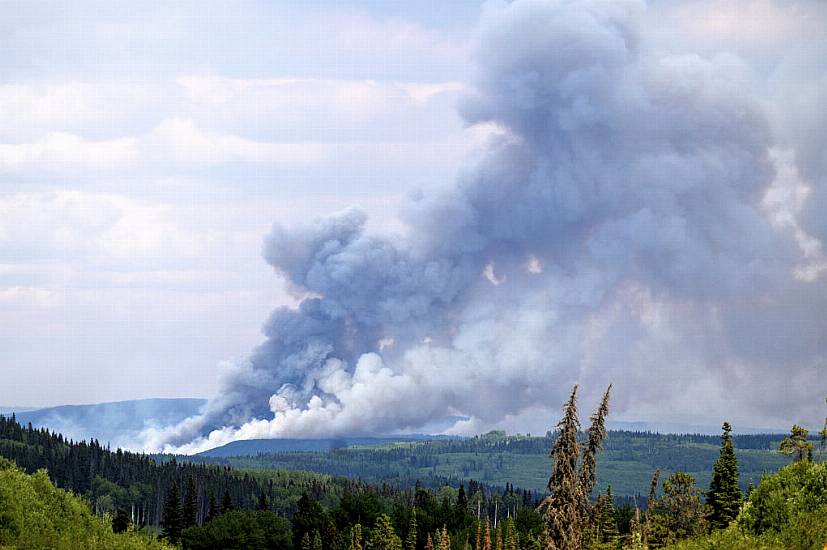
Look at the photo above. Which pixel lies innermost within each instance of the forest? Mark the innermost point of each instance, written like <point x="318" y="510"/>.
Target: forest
<point x="55" y="492"/>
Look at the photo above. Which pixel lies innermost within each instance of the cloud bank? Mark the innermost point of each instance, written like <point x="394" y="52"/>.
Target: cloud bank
<point x="634" y="220"/>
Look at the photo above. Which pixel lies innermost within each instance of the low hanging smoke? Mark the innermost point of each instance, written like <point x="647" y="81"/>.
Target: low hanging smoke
<point x="617" y="229"/>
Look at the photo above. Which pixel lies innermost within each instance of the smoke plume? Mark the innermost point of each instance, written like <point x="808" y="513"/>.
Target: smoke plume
<point x="630" y="221"/>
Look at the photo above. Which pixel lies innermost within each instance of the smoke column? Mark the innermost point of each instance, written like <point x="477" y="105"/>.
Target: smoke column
<point x="628" y="222"/>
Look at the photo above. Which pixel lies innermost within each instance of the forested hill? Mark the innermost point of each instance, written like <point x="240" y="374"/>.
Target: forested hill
<point x="114" y="480"/>
<point x="496" y="459"/>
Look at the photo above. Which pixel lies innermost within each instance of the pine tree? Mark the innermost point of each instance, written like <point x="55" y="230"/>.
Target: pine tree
<point x="410" y="541"/>
<point x="429" y="543"/>
<point x="478" y="545"/>
<point x="317" y="541"/>
<point x="486" y="545"/>
<point x="724" y="495"/>
<point x="498" y="538"/>
<point x="563" y="518"/>
<point x="190" y="510"/>
<point x="306" y="544"/>
<point x="173" y="515"/>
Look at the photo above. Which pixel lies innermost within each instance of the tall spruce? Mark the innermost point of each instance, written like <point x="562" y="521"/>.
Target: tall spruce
<point x="410" y="540"/>
<point x="383" y="536"/>
<point x="172" y="523"/>
<point x="562" y="516"/>
<point x="724" y="495"/>
<point x="597" y="433"/>
<point x="227" y="502"/>
<point x="650" y="505"/>
<point x="190" y="509"/>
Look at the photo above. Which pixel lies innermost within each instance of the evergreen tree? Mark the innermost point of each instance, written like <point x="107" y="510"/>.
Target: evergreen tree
<point x="678" y="514"/>
<point x="429" y="543"/>
<point x="190" y="510"/>
<point x="317" y="541"/>
<point x="650" y="504"/>
<point x="121" y="522"/>
<point x="724" y="495"/>
<point x="597" y="433"/>
<point x="173" y="521"/>
<point x="306" y="544"/>
<point x="510" y="535"/>
<point x="478" y="545"/>
<point x="356" y="537"/>
<point x="213" y="510"/>
<point x="797" y="444"/>
<point x="486" y="545"/>
<point x="444" y="539"/>
<point x="410" y="541"/>
<point x="383" y="536"/>
<point x="608" y="524"/>
<point x="263" y="504"/>
<point x="227" y="502"/>
<point x="562" y="519"/>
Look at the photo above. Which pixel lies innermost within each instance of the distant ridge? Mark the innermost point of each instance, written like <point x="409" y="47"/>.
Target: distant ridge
<point x="117" y="423"/>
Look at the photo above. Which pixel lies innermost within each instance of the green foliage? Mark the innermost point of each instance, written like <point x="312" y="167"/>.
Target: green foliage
<point x="240" y="530"/>
<point x="724" y="495"/>
<point x="796" y="444"/>
<point x="34" y="514"/>
<point x="173" y="522"/>
<point x="678" y="514"/>
<point x="780" y="499"/>
<point x="383" y="536"/>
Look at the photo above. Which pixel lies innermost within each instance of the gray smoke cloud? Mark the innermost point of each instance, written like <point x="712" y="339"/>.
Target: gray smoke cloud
<point x="634" y="220"/>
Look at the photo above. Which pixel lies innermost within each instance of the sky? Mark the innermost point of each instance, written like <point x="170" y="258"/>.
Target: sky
<point x="518" y="196"/>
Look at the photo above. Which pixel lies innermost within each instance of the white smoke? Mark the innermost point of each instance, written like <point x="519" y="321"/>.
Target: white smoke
<point x="633" y="223"/>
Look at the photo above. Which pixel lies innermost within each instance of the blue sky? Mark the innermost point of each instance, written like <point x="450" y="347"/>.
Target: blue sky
<point x="147" y="148"/>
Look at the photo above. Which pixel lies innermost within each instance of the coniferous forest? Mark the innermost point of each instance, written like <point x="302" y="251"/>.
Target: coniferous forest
<point x="116" y="499"/>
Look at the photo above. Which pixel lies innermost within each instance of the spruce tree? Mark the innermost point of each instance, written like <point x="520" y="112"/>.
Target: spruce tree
<point x="510" y="534"/>
<point x="172" y="523"/>
<point x="478" y="545"/>
<point x="444" y="540"/>
<point x="190" y="510"/>
<point x="384" y="537"/>
<point x="317" y="541"/>
<point x="356" y="537"/>
<point x="263" y="505"/>
<point x="486" y="544"/>
<point x="608" y="524"/>
<point x="306" y="544"/>
<point x="410" y="540"/>
<point x="562" y="519"/>
<point x="429" y="543"/>
<point x="227" y="502"/>
<point x="213" y="510"/>
<point x="724" y="495"/>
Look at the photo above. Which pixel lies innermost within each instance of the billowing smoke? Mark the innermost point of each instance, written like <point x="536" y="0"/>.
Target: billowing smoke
<point x="631" y="222"/>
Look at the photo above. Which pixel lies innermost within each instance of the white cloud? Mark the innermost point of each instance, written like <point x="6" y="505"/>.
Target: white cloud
<point x="59" y="150"/>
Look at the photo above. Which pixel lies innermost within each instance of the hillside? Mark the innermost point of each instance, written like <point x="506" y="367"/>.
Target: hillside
<point x="36" y="514"/>
<point x="627" y="464"/>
